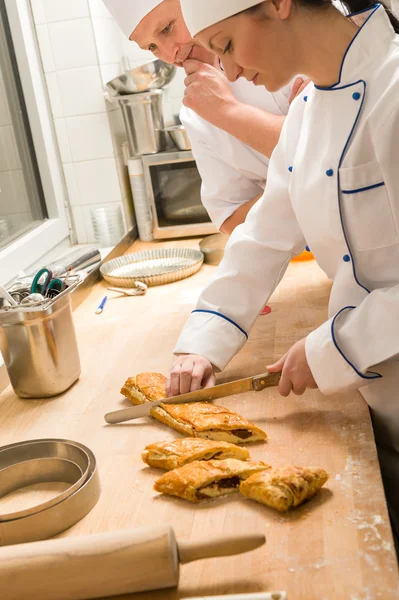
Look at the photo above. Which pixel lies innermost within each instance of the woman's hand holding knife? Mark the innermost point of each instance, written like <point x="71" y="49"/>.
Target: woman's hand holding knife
<point x="192" y="372"/>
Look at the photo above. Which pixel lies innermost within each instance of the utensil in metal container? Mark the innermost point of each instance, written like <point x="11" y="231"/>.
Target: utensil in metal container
<point x="179" y="136"/>
<point x="153" y="75"/>
<point x="39" y="347"/>
<point x="152" y="267"/>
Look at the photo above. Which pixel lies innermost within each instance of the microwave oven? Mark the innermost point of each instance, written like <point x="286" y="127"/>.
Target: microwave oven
<point x="173" y="192"/>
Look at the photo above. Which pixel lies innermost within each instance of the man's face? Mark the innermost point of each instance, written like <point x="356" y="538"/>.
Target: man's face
<point x="164" y="33"/>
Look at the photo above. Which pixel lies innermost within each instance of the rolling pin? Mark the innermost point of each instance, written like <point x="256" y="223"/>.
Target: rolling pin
<point x="108" y="564"/>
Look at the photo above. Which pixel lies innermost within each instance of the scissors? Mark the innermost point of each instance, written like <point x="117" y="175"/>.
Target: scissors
<point x="49" y="285"/>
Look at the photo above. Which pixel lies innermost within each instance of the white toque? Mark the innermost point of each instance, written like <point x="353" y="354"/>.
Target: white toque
<point x="200" y="14"/>
<point x="129" y="13"/>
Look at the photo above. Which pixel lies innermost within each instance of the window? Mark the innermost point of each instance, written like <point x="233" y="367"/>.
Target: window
<point x="32" y="198"/>
<point x="22" y="204"/>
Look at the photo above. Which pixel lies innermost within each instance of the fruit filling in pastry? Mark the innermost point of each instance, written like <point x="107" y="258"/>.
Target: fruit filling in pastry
<point x="209" y="421"/>
<point x="201" y="480"/>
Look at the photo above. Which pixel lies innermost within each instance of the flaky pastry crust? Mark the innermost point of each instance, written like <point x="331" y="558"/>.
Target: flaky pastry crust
<point x="202" y="480"/>
<point x="209" y="421"/>
<point x="145" y="387"/>
<point x="285" y="487"/>
<point x="177" y="453"/>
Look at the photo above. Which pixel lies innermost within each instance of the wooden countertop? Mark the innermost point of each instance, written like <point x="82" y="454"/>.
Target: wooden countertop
<point x="339" y="546"/>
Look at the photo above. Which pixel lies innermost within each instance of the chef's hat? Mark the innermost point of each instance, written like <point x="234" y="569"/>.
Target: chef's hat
<point x="129" y="13"/>
<point x="200" y="14"/>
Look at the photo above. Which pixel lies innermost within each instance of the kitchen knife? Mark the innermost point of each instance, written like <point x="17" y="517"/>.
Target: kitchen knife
<point x="250" y="384"/>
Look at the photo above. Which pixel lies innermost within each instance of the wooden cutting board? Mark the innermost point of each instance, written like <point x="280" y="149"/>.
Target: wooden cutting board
<point x="338" y="547"/>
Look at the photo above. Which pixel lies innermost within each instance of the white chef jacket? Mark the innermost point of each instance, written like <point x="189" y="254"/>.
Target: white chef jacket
<point x="334" y="185"/>
<point x="232" y="173"/>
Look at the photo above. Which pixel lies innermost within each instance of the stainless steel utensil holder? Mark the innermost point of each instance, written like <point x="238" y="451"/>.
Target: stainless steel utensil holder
<point x="39" y="348"/>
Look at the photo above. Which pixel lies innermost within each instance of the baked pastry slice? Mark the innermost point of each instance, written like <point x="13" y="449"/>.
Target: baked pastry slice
<point x="205" y="420"/>
<point x="145" y="387"/>
<point x="285" y="487"/>
<point x="174" y="454"/>
<point x="202" y="480"/>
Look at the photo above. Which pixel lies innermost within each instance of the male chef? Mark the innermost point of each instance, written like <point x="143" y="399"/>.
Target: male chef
<point x="233" y="125"/>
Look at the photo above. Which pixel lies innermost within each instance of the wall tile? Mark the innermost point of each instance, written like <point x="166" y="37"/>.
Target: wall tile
<point x="118" y="130"/>
<point x="109" y="72"/>
<point x="109" y="41"/>
<point x="135" y="54"/>
<point x="5" y="118"/>
<point x="79" y="225"/>
<point x="97" y="181"/>
<point x="46" y="52"/>
<point x="81" y="91"/>
<point x="13" y="195"/>
<point x="9" y="156"/>
<point x="72" y="188"/>
<point x="63" y="140"/>
<point x="54" y="95"/>
<point x="72" y="44"/>
<point x="62" y="10"/>
<point x="98" y="9"/>
<point x="39" y="16"/>
<point x="90" y="137"/>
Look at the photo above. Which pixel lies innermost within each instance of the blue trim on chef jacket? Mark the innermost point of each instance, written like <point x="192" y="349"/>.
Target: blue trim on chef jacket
<point x="376" y="7"/>
<point x="365" y="189"/>
<point x="339" y="166"/>
<point x="212" y="312"/>
<point x="339" y="180"/>
<point x="372" y="374"/>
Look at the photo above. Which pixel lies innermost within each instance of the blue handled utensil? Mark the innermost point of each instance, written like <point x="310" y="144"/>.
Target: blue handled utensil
<point x="101" y="307"/>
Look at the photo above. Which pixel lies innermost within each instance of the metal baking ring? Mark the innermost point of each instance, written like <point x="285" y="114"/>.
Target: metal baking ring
<point x="39" y="471"/>
<point x="53" y="520"/>
<point x="22" y="465"/>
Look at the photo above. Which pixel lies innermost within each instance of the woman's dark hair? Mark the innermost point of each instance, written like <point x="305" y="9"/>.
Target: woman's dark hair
<point x="353" y="6"/>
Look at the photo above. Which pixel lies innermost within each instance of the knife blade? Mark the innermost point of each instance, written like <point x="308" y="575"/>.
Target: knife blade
<point x="250" y="384"/>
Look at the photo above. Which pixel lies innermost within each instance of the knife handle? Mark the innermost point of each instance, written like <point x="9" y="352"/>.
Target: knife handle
<point x="261" y="382"/>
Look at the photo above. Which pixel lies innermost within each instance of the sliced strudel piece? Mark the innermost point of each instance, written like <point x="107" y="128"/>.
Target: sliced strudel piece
<point x="285" y="487"/>
<point x="202" y="480"/>
<point x="177" y="453"/>
<point x="145" y="387"/>
<point x="205" y="420"/>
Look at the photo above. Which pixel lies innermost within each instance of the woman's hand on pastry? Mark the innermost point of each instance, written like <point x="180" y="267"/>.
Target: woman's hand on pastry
<point x="296" y="375"/>
<point x="190" y="373"/>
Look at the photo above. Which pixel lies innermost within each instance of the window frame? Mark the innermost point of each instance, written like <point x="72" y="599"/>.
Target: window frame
<point x="31" y="246"/>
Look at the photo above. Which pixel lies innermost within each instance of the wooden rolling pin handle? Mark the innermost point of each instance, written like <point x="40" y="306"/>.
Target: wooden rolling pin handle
<point x="223" y="546"/>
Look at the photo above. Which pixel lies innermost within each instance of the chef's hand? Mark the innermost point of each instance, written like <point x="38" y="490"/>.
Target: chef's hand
<point x="207" y="91"/>
<point x="190" y="373"/>
<point x="298" y="87"/>
<point x="296" y="375"/>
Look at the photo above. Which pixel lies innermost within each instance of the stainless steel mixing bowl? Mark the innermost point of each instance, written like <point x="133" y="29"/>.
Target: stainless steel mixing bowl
<point x="151" y="76"/>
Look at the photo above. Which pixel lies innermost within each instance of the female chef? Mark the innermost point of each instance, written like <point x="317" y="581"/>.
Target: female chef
<point x="333" y="185"/>
<point x="232" y="158"/>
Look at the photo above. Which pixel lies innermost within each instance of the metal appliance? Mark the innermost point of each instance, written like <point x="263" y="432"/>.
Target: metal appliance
<point x="172" y="187"/>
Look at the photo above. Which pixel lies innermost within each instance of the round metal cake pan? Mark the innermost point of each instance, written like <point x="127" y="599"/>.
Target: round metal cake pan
<point x="153" y="267"/>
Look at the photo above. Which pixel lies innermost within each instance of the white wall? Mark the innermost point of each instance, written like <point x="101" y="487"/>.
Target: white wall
<point x="71" y="36"/>
<point x="82" y="49"/>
